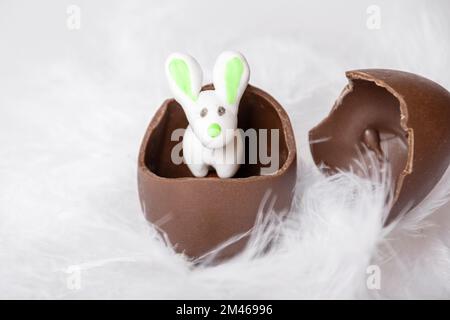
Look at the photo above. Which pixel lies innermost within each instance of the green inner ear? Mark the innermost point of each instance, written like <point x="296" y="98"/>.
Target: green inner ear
<point x="179" y="71"/>
<point x="233" y="74"/>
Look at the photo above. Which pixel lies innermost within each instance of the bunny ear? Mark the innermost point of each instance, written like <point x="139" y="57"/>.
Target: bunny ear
<point x="231" y="74"/>
<point x="185" y="77"/>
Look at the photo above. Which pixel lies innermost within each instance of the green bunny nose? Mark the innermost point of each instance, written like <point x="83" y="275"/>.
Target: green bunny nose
<point x="214" y="130"/>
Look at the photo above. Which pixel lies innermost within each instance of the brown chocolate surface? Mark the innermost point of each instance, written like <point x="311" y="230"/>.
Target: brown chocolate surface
<point x="198" y="214"/>
<point x="388" y="115"/>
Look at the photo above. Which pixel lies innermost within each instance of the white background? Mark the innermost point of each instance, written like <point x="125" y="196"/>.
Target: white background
<point x="74" y="105"/>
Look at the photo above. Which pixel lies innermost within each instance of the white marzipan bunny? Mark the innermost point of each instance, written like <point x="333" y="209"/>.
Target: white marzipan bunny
<point x="211" y="138"/>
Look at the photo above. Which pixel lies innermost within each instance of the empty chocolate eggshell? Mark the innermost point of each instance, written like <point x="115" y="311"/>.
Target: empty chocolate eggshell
<point x="393" y="116"/>
<point x="198" y="214"/>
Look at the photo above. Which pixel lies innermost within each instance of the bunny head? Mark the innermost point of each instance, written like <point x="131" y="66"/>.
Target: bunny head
<point x="212" y="114"/>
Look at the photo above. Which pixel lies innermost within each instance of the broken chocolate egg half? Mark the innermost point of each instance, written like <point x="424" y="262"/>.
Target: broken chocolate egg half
<point x="394" y="117"/>
<point x="199" y="214"/>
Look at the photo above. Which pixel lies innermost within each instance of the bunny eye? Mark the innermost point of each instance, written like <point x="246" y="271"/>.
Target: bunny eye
<point x="204" y="112"/>
<point x="221" y="111"/>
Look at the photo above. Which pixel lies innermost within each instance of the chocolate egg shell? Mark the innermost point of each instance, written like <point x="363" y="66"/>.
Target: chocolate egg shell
<point x="393" y="115"/>
<point x="198" y="214"/>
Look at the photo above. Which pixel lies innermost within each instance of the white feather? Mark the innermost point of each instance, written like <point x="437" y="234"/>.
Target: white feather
<point x="74" y="105"/>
